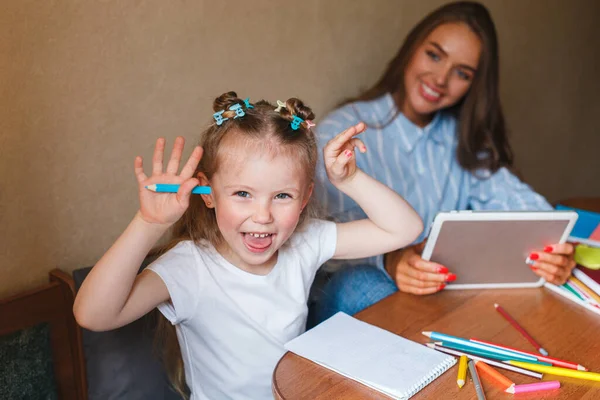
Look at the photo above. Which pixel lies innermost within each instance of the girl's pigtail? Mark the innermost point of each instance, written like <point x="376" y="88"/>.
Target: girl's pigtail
<point x="298" y="114"/>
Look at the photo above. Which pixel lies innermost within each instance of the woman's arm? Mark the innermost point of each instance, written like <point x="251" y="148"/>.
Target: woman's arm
<point x="391" y="223"/>
<point x="113" y="294"/>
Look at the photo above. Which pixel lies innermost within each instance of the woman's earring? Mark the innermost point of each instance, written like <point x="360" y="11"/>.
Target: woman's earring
<point x="208" y="203"/>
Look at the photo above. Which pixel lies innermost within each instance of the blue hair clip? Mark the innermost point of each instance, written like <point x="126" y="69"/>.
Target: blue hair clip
<point x="218" y="116"/>
<point x="239" y="112"/>
<point x="247" y="103"/>
<point x="296" y="122"/>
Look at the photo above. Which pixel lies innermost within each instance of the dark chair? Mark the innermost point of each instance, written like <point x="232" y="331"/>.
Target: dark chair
<point x="123" y="363"/>
<point x="41" y="354"/>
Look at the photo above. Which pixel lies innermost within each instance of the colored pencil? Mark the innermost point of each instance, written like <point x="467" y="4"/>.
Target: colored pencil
<point x="566" y="294"/>
<point x="586" y="289"/>
<point x="447" y="339"/>
<point x="461" y="378"/>
<point x="476" y="381"/>
<point x="579" y="291"/>
<point x="573" y="291"/>
<point x="551" y="360"/>
<point x="534" y="387"/>
<point x="494" y="375"/>
<point x="591" y="376"/>
<point x="507" y="367"/>
<point x="492" y="353"/>
<point x="169" y="188"/>
<point x="518" y="327"/>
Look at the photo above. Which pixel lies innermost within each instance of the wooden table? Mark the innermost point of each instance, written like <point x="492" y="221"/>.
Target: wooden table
<point x="566" y="330"/>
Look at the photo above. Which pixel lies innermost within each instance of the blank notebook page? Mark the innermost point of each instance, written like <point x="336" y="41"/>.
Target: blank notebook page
<point x="384" y="361"/>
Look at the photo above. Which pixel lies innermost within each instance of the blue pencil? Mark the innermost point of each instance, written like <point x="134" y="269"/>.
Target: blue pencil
<point x="442" y="337"/>
<point x="170" y="188"/>
<point x="489" y="354"/>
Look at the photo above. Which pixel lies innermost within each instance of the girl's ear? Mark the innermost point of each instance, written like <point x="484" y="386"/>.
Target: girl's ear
<point x="309" y="192"/>
<point x="208" y="198"/>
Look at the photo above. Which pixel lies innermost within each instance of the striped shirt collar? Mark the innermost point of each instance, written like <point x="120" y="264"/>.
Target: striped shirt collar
<point x="411" y="133"/>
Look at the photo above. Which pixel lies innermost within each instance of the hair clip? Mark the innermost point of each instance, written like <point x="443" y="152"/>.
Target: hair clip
<point x="310" y="124"/>
<point x="296" y="122"/>
<point x="239" y="112"/>
<point x="280" y="105"/>
<point x="247" y="103"/>
<point x="218" y="116"/>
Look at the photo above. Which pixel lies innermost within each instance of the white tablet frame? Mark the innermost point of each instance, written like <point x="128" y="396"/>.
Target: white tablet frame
<point x="568" y="217"/>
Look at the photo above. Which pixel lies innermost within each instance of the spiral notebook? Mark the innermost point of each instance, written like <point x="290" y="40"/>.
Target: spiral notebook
<point x="379" y="359"/>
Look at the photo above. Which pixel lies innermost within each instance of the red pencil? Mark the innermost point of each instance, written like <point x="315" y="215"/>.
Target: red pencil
<point x="518" y="327"/>
<point x="552" y="360"/>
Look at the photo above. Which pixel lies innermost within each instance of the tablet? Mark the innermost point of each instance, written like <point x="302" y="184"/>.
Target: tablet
<point x="490" y="249"/>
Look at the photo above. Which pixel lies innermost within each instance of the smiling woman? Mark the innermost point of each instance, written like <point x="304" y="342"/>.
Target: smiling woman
<point x="438" y="138"/>
<point x="440" y="72"/>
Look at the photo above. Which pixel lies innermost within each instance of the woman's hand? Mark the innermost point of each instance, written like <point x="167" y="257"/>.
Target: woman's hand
<point x="555" y="263"/>
<point x="166" y="208"/>
<point x="414" y="275"/>
<point x="338" y="154"/>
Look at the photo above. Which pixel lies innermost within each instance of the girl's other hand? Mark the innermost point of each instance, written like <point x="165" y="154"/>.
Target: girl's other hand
<point x="414" y="275"/>
<point x="166" y="208"/>
<point x="555" y="263"/>
<point x="338" y="154"/>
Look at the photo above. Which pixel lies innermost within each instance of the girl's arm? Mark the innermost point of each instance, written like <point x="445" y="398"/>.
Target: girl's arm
<point x="392" y="222"/>
<point x="113" y="295"/>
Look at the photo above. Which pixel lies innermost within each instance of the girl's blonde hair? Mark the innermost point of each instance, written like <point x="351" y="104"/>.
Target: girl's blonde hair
<point x="262" y="124"/>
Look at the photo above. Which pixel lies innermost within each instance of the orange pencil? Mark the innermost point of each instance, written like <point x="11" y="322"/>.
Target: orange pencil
<point x="586" y="289"/>
<point x="494" y="375"/>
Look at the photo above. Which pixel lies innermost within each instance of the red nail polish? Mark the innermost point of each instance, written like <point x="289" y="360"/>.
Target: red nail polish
<point x="534" y="256"/>
<point x="443" y="285"/>
<point x="450" y="278"/>
<point x="348" y="153"/>
<point x="533" y="268"/>
<point x="548" y="249"/>
<point x="442" y="270"/>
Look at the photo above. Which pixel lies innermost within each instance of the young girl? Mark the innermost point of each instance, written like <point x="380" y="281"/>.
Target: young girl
<point x="236" y="279"/>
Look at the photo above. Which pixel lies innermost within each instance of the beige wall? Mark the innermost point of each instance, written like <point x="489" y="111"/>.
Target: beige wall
<point x="87" y="85"/>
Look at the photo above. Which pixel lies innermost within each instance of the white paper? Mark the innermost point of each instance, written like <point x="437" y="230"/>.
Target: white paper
<point x="373" y="356"/>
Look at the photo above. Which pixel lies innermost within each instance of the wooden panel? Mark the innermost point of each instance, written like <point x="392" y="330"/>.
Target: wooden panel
<point x="52" y="304"/>
<point x="584" y="203"/>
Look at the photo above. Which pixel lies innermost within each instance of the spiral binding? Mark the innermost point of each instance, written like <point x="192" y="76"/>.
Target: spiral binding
<point x="435" y="373"/>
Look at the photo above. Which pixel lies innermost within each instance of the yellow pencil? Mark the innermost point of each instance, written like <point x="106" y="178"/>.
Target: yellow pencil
<point x="462" y="371"/>
<point x="586" y="289"/>
<point x="591" y="376"/>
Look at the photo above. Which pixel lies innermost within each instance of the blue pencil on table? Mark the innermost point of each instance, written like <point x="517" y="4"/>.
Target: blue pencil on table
<point x="489" y="354"/>
<point x="465" y="343"/>
<point x="170" y="188"/>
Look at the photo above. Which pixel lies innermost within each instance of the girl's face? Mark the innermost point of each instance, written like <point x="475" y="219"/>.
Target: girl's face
<point x="440" y="72"/>
<point x="258" y="197"/>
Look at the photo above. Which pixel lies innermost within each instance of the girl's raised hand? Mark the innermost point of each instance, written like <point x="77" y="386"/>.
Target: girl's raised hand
<point x="338" y="154"/>
<point x="166" y="208"/>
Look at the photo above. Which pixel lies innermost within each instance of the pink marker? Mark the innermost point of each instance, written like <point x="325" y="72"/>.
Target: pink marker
<point x="533" y="387"/>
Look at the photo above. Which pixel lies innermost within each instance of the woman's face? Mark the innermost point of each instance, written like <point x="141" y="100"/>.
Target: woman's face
<point x="440" y="72"/>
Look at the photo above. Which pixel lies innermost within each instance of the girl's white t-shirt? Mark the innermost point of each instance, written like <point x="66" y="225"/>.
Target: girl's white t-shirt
<point x="231" y="324"/>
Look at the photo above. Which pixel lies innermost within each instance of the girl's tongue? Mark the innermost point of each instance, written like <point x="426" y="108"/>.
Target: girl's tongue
<point x="257" y="244"/>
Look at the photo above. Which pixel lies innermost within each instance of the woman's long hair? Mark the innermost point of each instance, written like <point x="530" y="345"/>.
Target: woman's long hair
<point x="483" y="141"/>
